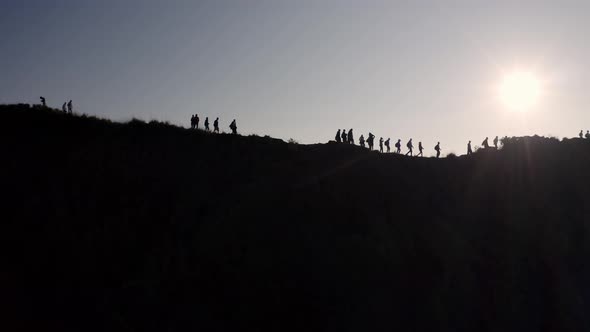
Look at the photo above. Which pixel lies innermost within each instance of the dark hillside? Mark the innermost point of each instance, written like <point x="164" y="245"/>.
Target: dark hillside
<point x="151" y="227"/>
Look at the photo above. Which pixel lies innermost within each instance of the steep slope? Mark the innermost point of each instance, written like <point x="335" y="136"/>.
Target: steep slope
<point x="146" y="226"/>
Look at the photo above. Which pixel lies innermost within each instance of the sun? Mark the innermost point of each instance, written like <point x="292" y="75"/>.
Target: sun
<point x="520" y="90"/>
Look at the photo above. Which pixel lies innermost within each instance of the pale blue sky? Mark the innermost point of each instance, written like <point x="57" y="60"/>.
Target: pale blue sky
<point x="303" y="69"/>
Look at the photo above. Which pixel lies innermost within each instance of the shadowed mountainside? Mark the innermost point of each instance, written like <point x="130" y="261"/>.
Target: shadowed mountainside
<point x="147" y="226"/>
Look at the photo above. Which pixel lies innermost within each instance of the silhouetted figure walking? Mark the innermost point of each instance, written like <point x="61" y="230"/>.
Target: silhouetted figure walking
<point x="581" y="133"/>
<point x="63" y="108"/>
<point x="207" y="123"/>
<point x="233" y="127"/>
<point x="469" y="151"/>
<point x="192" y="122"/>
<point x="485" y="144"/>
<point x="496" y="142"/>
<point x="216" y="125"/>
<point x="420" y="148"/>
<point x="362" y="141"/>
<point x="338" y="139"/>
<point x="387" y="144"/>
<point x="344" y="137"/>
<point x="437" y="148"/>
<point x="381" y="144"/>
<point x="410" y="146"/>
<point x="70" y="107"/>
<point x="43" y="101"/>
<point x="371" y="141"/>
<point x="587" y="134"/>
<point x="197" y="121"/>
<point x="398" y="146"/>
<point x="350" y="137"/>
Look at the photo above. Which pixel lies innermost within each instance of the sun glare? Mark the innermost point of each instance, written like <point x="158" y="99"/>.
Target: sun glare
<point x="520" y="90"/>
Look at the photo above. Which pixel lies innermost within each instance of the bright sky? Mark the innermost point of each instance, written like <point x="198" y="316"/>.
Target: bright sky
<point x="429" y="70"/>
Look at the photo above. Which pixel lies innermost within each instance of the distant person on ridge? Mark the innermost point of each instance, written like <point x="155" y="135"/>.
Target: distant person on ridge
<point x="362" y="141"/>
<point x="197" y="121"/>
<point x="398" y="146"/>
<point x="233" y="127"/>
<point x="207" y="123"/>
<point x="496" y="142"/>
<point x="43" y="101"/>
<point x="581" y="133"/>
<point x="420" y="148"/>
<point x="437" y="148"/>
<point x="485" y="144"/>
<point x="587" y="134"/>
<point x="350" y="137"/>
<point x="469" y="151"/>
<point x="338" y="139"/>
<point x="70" y="107"/>
<point x="63" y="107"/>
<point x="344" y="137"/>
<point x="387" y="144"/>
<point x="371" y="141"/>
<point x="410" y="146"/>
<point x="381" y="144"/>
<point x="216" y="125"/>
<point x="192" y="122"/>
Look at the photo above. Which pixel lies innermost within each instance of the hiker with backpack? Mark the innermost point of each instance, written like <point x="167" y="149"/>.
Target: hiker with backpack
<point x="387" y="144"/>
<point x="420" y="148"/>
<point x="437" y="149"/>
<point x="362" y="141"/>
<point x="398" y="146"/>
<point x="381" y="144"/>
<point x="207" y="123"/>
<point x="410" y="146"/>
<point x="338" y="139"/>
<point x="350" y="137"/>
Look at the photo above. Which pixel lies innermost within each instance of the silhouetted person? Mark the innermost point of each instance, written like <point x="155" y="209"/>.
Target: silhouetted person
<point x="381" y="144"/>
<point x="233" y="127"/>
<point x="496" y="142"/>
<point x="398" y="146"/>
<point x="588" y="134"/>
<point x="63" y="108"/>
<point x="70" y="107"/>
<point x="371" y="141"/>
<point x="344" y="137"/>
<point x="387" y="144"/>
<point x="410" y="146"/>
<point x="192" y="122"/>
<point x="43" y="101"/>
<point x="485" y="143"/>
<point x="469" y="151"/>
<point x="216" y="125"/>
<point x="350" y="137"/>
<point x="207" y="123"/>
<point x="338" y="139"/>
<point x="437" y="149"/>
<point x="362" y="141"/>
<point x="581" y="133"/>
<point x="197" y="121"/>
<point x="420" y="148"/>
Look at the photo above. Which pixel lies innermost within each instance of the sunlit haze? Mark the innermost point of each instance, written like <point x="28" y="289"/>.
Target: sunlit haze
<point x="428" y="70"/>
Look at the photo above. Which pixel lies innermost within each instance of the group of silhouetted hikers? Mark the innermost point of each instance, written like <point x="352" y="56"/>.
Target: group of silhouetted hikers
<point x="195" y="124"/>
<point x="582" y="134"/>
<point x="485" y="145"/>
<point x="67" y="107"/>
<point x="342" y="136"/>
